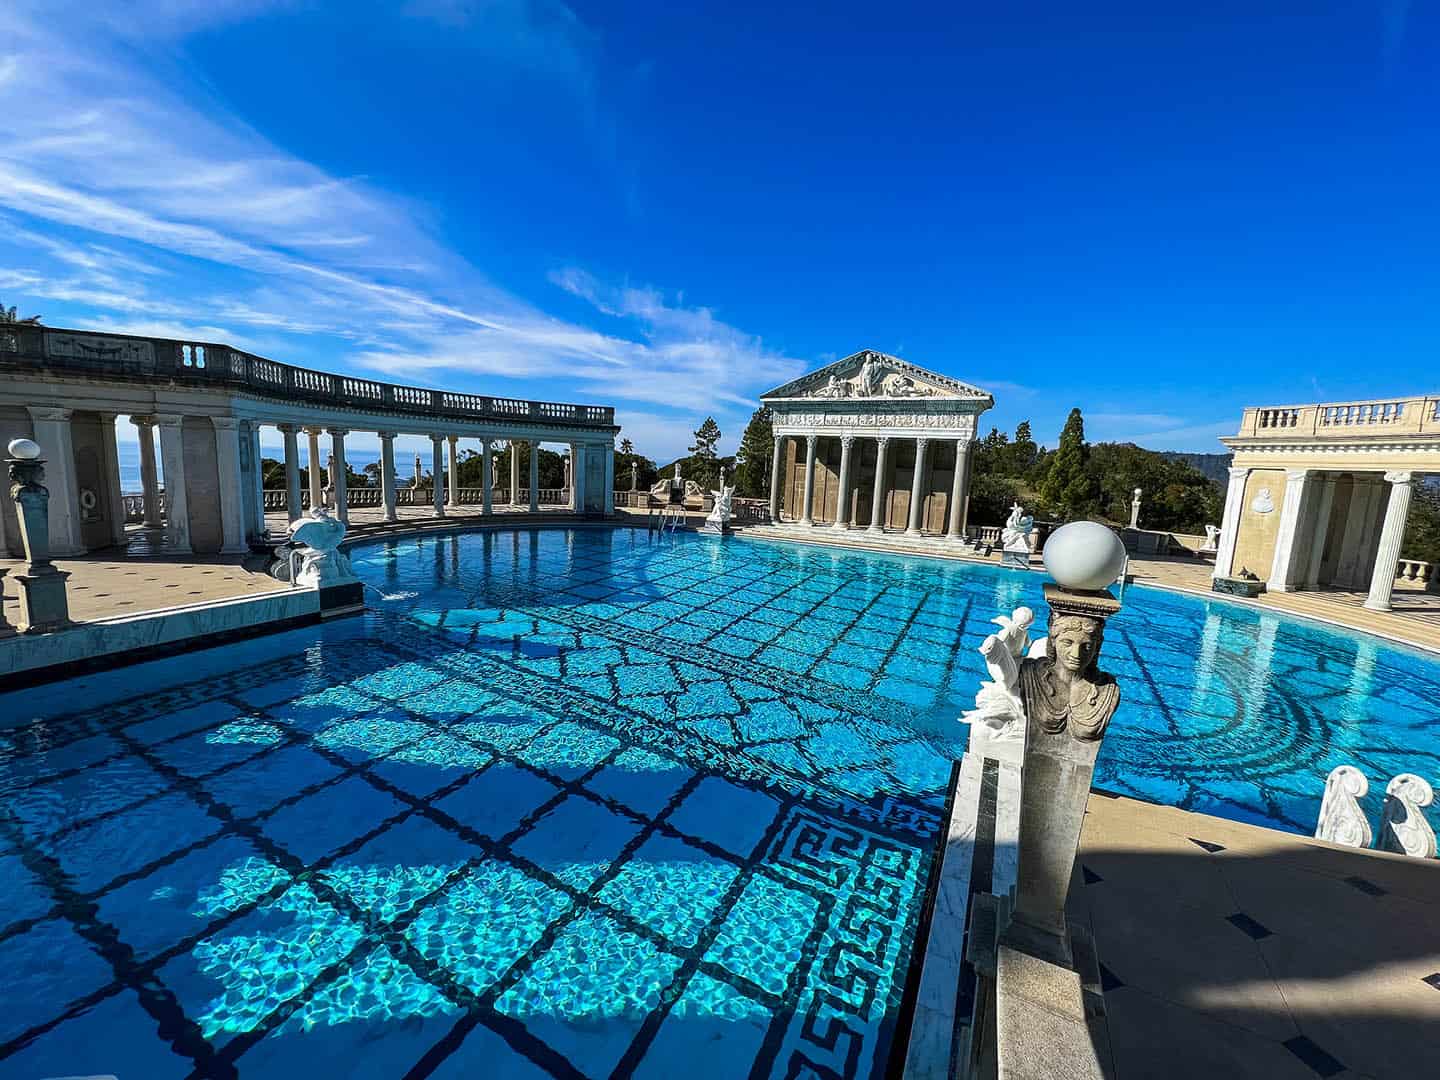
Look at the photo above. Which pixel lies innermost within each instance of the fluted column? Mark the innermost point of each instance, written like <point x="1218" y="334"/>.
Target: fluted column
<point x="232" y="499"/>
<point x="515" y="473"/>
<point x="1230" y="523"/>
<point x="608" y="502"/>
<point x="452" y="493"/>
<point x="917" y="492"/>
<point x="1289" y="545"/>
<point x="960" y="489"/>
<point x="842" y="505"/>
<point x="775" y="478"/>
<point x="340" y="485"/>
<point x="1387" y="559"/>
<point x="534" y="450"/>
<point x="254" y="479"/>
<point x="293" y="507"/>
<point x="317" y="474"/>
<point x="579" y="456"/>
<point x="177" y="505"/>
<point x="485" y="478"/>
<point x="387" y="475"/>
<point x="114" y="493"/>
<point x="149" y="480"/>
<point x="877" y="500"/>
<point x="52" y="431"/>
<point x="805" y="518"/>
<point x="1320" y="529"/>
<point x="437" y="472"/>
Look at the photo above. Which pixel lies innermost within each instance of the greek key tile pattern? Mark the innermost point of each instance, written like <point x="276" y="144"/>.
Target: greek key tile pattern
<point x="589" y="804"/>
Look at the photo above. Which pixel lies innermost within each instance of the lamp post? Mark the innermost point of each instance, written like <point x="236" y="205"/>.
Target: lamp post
<point x="43" y="604"/>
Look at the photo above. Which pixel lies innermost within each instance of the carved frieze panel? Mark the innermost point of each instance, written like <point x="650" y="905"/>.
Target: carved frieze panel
<point x="100" y="350"/>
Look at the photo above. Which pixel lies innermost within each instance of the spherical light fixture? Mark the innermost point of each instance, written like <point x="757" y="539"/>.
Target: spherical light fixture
<point x="24" y="449"/>
<point x="1084" y="555"/>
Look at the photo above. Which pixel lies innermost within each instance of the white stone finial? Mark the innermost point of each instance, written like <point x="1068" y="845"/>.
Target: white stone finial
<point x="1341" y="819"/>
<point x="1403" y="828"/>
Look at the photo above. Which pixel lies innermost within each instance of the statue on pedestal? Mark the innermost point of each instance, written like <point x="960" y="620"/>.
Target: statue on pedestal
<point x="1015" y="538"/>
<point x="718" y="520"/>
<point x="44" y="605"/>
<point x="322" y="565"/>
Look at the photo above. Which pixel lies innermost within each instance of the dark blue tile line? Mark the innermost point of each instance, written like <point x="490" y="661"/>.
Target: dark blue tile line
<point x="1308" y="1051"/>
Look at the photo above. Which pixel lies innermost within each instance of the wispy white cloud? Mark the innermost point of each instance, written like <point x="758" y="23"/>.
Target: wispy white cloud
<point x="195" y="224"/>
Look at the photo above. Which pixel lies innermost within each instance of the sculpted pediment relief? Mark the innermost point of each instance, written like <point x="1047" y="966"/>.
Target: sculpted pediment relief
<point x="874" y="375"/>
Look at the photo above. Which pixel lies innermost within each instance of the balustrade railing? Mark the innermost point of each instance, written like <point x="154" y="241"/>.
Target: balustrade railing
<point x="1346" y="419"/>
<point x="1417" y="570"/>
<point x="358" y="497"/>
<point x="135" y="506"/>
<point x="129" y="356"/>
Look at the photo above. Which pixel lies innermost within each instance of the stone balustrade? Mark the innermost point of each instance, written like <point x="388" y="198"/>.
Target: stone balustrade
<point x="1345" y="419"/>
<point x="1420" y="571"/>
<point x="191" y="364"/>
<point x="135" y="506"/>
<point x="360" y="497"/>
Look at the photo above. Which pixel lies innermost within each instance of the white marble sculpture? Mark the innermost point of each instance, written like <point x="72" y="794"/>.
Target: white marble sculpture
<point x="718" y="520"/>
<point x="322" y="565"/>
<point x="1342" y="821"/>
<point x="1212" y="538"/>
<point x="1015" y="537"/>
<point x="1403" y="828"/>
<point x="999" y="713"/>
<point x="1264" y="502"/>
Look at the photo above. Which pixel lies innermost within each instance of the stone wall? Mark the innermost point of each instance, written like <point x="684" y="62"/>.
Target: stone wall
<point x="1255" y="546"/>
<point x="202" y="486"/>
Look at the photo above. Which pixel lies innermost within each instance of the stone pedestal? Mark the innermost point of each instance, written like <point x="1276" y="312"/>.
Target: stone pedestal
<point x="44" y="605"/>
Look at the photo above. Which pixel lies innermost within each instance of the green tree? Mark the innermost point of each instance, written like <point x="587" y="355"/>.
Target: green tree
<point x="704" y="455"/>
<point x="1422" y="530"/>
<point x="752" y="461"/>
<point x="1176" y="496"/>
<point x="1068" y="488"/>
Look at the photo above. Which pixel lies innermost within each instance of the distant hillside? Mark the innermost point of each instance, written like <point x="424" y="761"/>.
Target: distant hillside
<point x="1215" y="466"/>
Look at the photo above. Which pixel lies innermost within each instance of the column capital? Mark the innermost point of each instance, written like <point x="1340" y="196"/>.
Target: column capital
<point x="387" y="435"/>
<point x="453" y="438"/>
<point x="226" y="423"/>
<point x="1295" y="475"/>
<point x="142" y="421"/>
<point x="315" y="431"/>
<point x="437" y="439"/>
<point x="847" y="441"/>
<point x="810" y="441"/>
<point x="922" y="441"/>
<point x="338" y="433"/>
<point x="46" y="412"/>
<point x="1399" y="477"/>
<point x="1239" y="472"/>
<point x="169" y="419"/>
<point x="285" y="429"/>
<point x="882" y="441"/>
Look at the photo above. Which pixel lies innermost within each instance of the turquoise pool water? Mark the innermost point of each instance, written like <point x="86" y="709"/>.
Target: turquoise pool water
<point x="584" y="803"/>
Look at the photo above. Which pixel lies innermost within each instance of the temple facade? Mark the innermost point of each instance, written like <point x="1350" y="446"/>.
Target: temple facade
<point x="1319" y="495"/>
<point x="873" y="442"/>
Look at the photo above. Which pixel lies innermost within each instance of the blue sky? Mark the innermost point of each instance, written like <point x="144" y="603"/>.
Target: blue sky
<point x="1158" y="212"/>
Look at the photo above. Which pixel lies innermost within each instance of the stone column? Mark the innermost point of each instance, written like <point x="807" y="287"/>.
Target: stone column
<point x="149" y="480"/>
<point x="569" y="481"/>
<point x="534" y="448"/>
<point x="1387" y="559"/>
<point x="807" y="501"/>
<point x="232" y="483"/>
<point x="317" y="482"/>
<point x="1320" y="533"/>
<point x="578" y="455"/>
<point x="515" y="473"/>
<point x="339" y="487"/>
<point x="959" y="490"/>
<point x="52" y="432"/>
<point x="608" y="449"/>
<point x="387" y="474"/>
<point x="437" y="472"/>
<point x="1360" y="522"/>
<point x="293" y="503"/>
<point x="1230" y="523"/>
<point x="917" y="494"/>
<point x="250" y="433"/>
<point x="172" y="459"/>
<point x="877" y="498"/>
<point x="775" y="478"/>
<point x="453" y="492"/>
<point x="842" y="505"/>
<point x="115" y="495"/>
<point x="485" y="478"/>
<point x="1290" y="549"/>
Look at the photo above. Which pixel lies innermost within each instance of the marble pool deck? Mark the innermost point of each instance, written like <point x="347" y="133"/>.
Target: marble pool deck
<point x="1229" y="950"/>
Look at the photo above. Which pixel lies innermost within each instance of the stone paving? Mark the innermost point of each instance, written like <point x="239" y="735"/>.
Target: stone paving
<point x="1234" y="951"/>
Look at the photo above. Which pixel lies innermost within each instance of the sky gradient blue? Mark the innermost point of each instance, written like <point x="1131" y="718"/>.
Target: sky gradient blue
<point x="1159" y="213"/>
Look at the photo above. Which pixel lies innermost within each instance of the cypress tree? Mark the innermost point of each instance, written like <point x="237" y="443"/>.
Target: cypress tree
<point x="1068" y="486"/>
<point x="752" y="460"/>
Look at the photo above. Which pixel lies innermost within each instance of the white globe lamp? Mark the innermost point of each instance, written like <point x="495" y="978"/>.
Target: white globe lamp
<point x="1084" y="556"/>
<point x="24" y="449"/>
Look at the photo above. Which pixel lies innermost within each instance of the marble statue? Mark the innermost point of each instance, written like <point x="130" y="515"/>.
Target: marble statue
<point x="416" y="482"/>
<point x="322" y="564"/>
<point x="1015" y="537"/>
<point x="1064" y="691"/>
<point x="999" y="713"/>
<point x="1403" y="828"/>
<point x="867" y="382"/>
<point x="1342" y="821"/>
<point x="1135" y="509"/>
<point x="1212" y="538"/>
<point x="1264" y="502"/>
<point x="835" y="387"/>
<point x="904" y="386"/>
<point x="718" y="520"/>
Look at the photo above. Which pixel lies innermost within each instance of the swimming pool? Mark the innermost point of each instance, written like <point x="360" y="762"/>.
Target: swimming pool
<point x="584" y="803"/>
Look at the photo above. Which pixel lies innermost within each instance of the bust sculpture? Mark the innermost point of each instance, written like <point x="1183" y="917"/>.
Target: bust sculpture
<point x="1064" y="692"/>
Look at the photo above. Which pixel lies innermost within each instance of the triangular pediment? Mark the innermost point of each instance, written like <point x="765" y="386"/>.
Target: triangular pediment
<point x="869" y="374"/>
